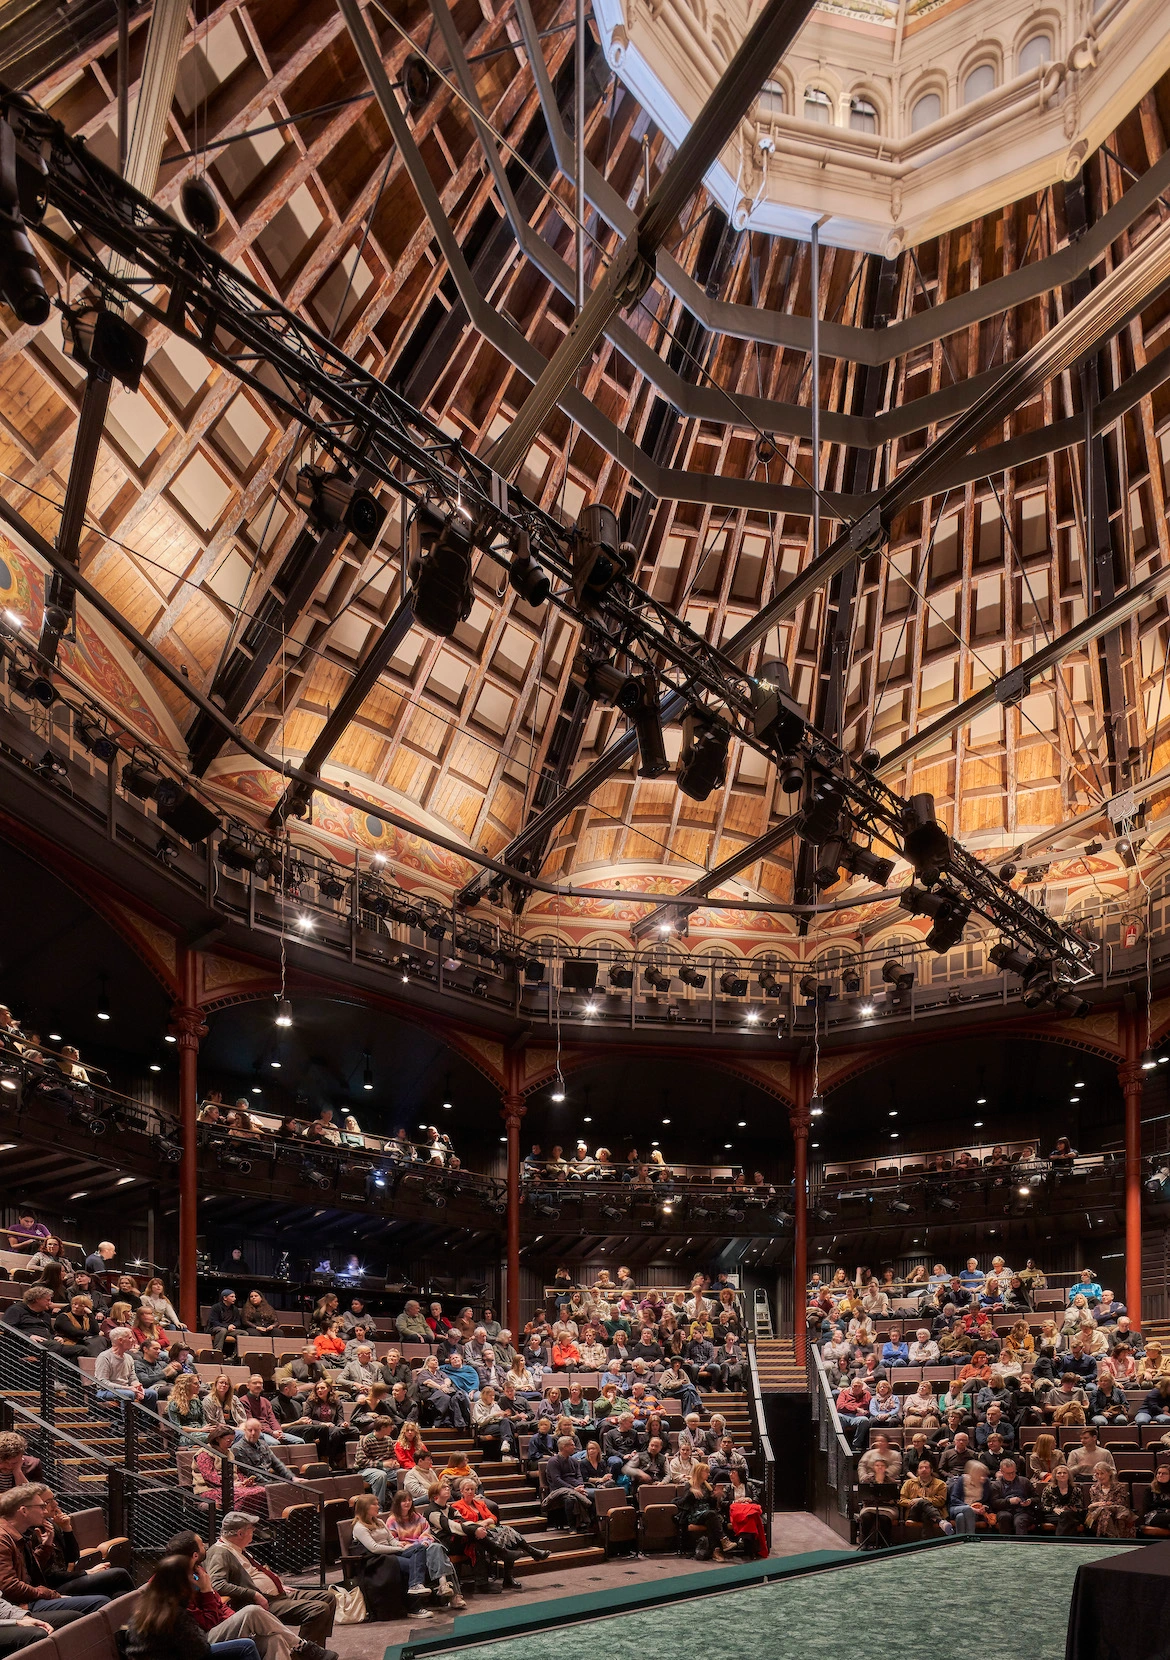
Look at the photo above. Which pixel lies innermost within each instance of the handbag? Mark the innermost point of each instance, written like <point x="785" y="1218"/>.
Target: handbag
<point x="351" y="1605"/>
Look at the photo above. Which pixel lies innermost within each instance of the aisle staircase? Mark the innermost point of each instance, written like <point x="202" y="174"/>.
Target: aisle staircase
<point x="780" y="1371"/>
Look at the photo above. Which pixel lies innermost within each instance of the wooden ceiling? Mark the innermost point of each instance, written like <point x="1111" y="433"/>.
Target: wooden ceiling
<point x="191" y="512"/>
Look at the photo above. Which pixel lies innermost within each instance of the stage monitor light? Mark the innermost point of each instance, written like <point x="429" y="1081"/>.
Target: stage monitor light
<point x="442" y="572"/>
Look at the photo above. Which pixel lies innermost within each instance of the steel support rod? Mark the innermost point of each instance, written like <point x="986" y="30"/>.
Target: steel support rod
<point x="815" y="281"/>
<point x="579" y="152"/>
<point x="123" y="72"/>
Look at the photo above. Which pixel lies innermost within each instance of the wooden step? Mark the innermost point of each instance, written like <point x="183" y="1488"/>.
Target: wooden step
<point x="555" y="1564"/>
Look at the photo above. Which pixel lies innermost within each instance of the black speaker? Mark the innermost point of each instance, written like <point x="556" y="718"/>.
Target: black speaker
<point x="187" y="817"/>
<point x="578" y="975"/>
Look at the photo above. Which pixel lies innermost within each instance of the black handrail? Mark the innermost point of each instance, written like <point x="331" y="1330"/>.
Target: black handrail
<point x="763" y="1441"/>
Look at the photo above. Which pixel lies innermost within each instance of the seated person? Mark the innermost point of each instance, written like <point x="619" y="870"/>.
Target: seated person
<point x="1013" y="1498"/>
<point x="923" y="1499"/>
<point x="877" y="1498"/>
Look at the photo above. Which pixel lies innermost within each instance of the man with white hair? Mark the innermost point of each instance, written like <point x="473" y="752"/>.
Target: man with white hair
<point x="252" y="1452"/>
<point x="214" y="1616"/>
<point x="114" y="1373"/>
<point x="359" y="1374"/>
<point x="244" y="1582"/>
<point x="411" y="1324"/>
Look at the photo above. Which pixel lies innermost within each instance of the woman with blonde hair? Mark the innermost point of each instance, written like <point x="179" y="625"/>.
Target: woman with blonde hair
<point x="185" y="1410"/>
<point x="920" y="1410"/>
<point x="1152" y="1366"/>
<point x="221" y="1406"/>
<point x="409" y="1445"/>
<point x="382" y="1571"/>
<point x="1108" y="1512"/>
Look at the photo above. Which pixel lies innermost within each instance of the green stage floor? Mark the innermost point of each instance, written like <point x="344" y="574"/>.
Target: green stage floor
<point x="1001" y="1600"/>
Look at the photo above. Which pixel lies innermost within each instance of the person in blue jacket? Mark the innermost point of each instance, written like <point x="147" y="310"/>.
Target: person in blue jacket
<point x="1086" y="1287"/>
<point x="894" y="1351"/>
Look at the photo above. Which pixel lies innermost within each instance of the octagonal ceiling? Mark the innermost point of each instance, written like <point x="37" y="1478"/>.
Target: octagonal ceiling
<point x="192" y="515"/>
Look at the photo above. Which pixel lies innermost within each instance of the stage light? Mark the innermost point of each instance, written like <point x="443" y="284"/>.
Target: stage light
<point x="103" y="1004"/>
<point x="534" y="970"/>
<point x="558" y="1091"/>
<point x="900" y="1207"/>
<point x="1068" y="1002"/>
<point x="927" y="845"/>
<point x="29" y="683"/>
<point x="578" y="974"/>
<point x="92" y="737"/>
<point x="851" y="982"/>
<point x="367" y="1073"/>
<point x="895" y="975"/>
<point x="1149" y="1060"/>
<point x="21" y="281"/>
<point x="656" y="980"/>
<point x="169" y="1151"/>
<point x="284" y="1014"/>
<point x="640" y="701"/>
<point x="139" y="778"/>
<point x="816" y="1106"/>
<point x="237" y="855"/>
<point x="621" y="978"/>
<point x="313" y="1174"/>
<point x="527" y="576"/>
<point x="200" y="205"/>
<point x="769" y="984"/>
<point x="416" y="82"/>
<point x="1011" y="959"/>
<point x="950" y="915"/>
<point x="442" y="572"/>
<point x="333" y="502"/>
<point x="702" y="764"/>
<point x="790" y="770"/>
<point x="691" y="977"/>
<point x="599" y="555"/>
<point x="733" y="984"/>
<point x="479" y="986"/>
<point x="777" y="719"/>
<point x="104" y="340"/>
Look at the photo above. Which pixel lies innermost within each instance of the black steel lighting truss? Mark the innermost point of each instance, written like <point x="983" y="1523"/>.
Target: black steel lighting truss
<point x="135" y="254"/>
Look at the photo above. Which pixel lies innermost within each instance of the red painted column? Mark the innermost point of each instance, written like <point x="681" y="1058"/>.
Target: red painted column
<point x="1130" y="1076"/>
<point x="188" y="1027"/>
<point x="799" y="1121"/>
<point x="513" y="1114"/>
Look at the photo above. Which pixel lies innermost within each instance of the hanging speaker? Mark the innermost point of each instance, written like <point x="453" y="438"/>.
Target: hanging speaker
<point x="181" y="813"/>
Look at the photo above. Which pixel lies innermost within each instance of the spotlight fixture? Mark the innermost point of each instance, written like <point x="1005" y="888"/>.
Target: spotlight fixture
<point x="777" y="718"/>
<point x="733" y="984"/>
<point x="621" y="979"/>
<point x="1011" y="959"/>
<point x="894" y="974"/>
<point x="442" y="572"/>
<point x="639" y="699"/>
<point x="770" y="984"/>
<point x="21" y="282"/>
<point x="169" y="1151"/>
<point x="950" y="915"/>
<point x="656" y="980"/>
<point x="479" y="986"/>
<point x="820" y="813"/>
<point x="103" y="1003"/>
<point x="817" y="991"/>
<point x="238" y="855"/>
<point x="611" y="1213"/>
<point x="166" y="852"/>
<point x="944" y="1203"/>
<point x="599" y="555"/>
<point x="851" y="982"/>
<point x="86" y="1120"/>
<point x="314" y="1174"/>
<point x="28" y="683"/>
<point x="330" y="886"/>
<point x="534" y="970"/>
<point x="702" y="762"/>
<point x="334" y="503"/>
<point x="200" y="205"/>
<point x="544" y="1207"/>
<point x="433" y="1197"/>
<point x="824" y="1214"/>
<point x="1149" y="1060"/>
<point x="899" y="1206"/>
<point x="691" y="977"/>
<point x="926" y="843"/>
<point x="100" y="744"/>
<point x="416" y="82"/>
<point x="790" y="771"/>
<point x="839" y="853"/>
<point x="367" y="1072"/>
<point x="558" y="1090"/>
<point x="526" y="575"/>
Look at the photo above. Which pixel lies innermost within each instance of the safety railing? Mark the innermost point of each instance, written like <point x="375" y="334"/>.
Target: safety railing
<point x="839" y="1467"/>
<point x="762" y="1441"/>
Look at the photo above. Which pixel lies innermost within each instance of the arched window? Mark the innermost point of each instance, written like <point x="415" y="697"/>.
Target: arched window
<point x="978" y="82"/>
<point x="840" y="967"/>
<point x="817" y="106"/>
<point x="926" y="109"/>
<point x="964" y="961"/>
<point x="1037" y="51"/>
<point x="862" y="116"/>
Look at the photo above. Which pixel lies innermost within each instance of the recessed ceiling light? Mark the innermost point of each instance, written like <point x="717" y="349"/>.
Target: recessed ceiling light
<point x="55" y="1037"/>
<point x="1025" y="1192"/>
<point x="588" y="1120"/>
<point x="155" y="1067"/>
<point x="726" y="1145"/>
<point x="741" y="1123"/>
<point x="666" y="1120"/>
<point x="978" y="1123"/>
<point x="893" y="1115"/>
<point x="275" y="1065"/>
<point x="814" y="1143"/>
<point x="83" y="1194"/>
<point x="169" y="1037"/>
<point x="981" y="1101"/>
<point x="1078" y="1086"/>
<point x="124" y="1181"/>
<point x="255" y="1089"/>
<point x="894" y="1135"/>
<point x="503" y="1138"/>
